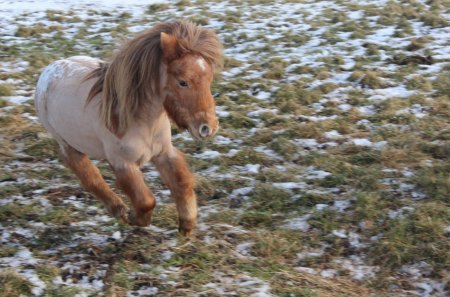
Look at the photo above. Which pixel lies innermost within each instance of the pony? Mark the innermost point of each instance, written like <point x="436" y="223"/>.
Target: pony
<point x="121" y="111"/>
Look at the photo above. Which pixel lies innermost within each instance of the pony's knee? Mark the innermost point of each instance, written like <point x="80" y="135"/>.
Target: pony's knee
<point x="142" y="214"/>
<point x="146" y="206"/>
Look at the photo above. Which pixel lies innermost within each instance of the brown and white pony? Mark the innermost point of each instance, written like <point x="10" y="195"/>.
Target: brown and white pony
<point x="120" y="111"/>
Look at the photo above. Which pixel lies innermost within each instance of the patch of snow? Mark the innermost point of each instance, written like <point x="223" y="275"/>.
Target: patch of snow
<point x="416" y="110"/>
<point x="262" y="95"/>
<point x="429" y="288"/>
<point x="221" y="112"/>
<point x="166" y="255"/>
<point x="242" y="191"/>
<point x="345" y="107"/>
<point x="17" y="99"/>
<point x="289" y="185"/>
<point x="333" y="134"/>
<point x="380" y="145"/>
<point x="259" y="112"/>
<point x="220" y="140"/>
<point x="358" y="270"/>
<point x="38" y="285"/>
<point x="329" y="273"/>
<point x="8" y="7"/>
<point x="392" y="92"/>
<point x="361" y="142"/>
<point x="392" y="214"/>
<point x="321" y="206"/>
<point x="268" y="152"/>
<point x="208" y="155"/>
<point x="299" y="223"/>
<point x="306" y="269"/>
<point x="243" y="248"/>
<point x="320" y="118"/>
<point x="252" y="168"/>
<point x="355" y="240"/>
<point x="307" y="143"/>
<point x="367" y="110"/>
<point x="341" y="205"/>
<point x="22" y="257"/>
<point x="417" y="270"/>
<point x="117" y="235"/>
<point x="340" y="233"/>
<point x="27" y="233"/>
<point x="313" y="173"/>
<point x="447" y="230"/>
<point x="232" y="152"/>
<point x="310" y="254"/>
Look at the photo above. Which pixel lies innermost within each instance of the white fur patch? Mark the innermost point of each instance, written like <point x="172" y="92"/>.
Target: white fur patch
<point x="201" y="63"/>
<point x="60" y="69"/>
<point x="51" y="72"/>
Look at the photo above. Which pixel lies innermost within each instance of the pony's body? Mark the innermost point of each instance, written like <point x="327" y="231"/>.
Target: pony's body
<point x="120" y="111"/>
<point x="61" y="103"/>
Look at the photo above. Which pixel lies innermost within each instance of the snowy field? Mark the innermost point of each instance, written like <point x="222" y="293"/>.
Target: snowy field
<point x="330" y="175"/>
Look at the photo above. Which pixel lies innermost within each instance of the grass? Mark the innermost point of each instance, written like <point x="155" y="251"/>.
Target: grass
<point x="416" y="237"/>
<point x="324" y="72"/>
<point x="435" y="182"/>
<point x="6" y="90"/>
<point x="269" y="198"/>
<point x="372" y="80"/>
<point x="441" y="84"/>
<point x="14" y="285"/>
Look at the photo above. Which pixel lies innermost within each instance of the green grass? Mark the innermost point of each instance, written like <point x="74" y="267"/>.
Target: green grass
<point x="435" y="182"/>
<point x="416" y="237"/>
<point x="311" y="65"/>
<point x="14" y="285"/>
<point x="6" y="90"/>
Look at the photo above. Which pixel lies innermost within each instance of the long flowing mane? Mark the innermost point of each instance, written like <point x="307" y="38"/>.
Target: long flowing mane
<point x="132" y="78"/>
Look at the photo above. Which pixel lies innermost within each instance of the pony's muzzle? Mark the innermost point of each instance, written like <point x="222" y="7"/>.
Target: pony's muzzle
<point x="204" y="130"/>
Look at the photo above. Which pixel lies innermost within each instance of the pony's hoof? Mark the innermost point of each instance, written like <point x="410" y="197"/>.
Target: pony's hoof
<point x="120" y="212"/>
<point x="141" y="220"/>
<point x="186" y="227"/>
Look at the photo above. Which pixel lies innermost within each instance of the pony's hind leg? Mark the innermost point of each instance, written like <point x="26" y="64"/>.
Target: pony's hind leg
<point x="92" y="180"/>
<point x="176" y="175"/>
<point x="130" y="180"/>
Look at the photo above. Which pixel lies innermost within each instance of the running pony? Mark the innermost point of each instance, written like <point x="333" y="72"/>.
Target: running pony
<point x="121" y="110"/>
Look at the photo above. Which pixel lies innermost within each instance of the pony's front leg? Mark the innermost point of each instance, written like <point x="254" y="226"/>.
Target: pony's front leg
<point x="176" y="175"/>
<point x="130" y="180"/>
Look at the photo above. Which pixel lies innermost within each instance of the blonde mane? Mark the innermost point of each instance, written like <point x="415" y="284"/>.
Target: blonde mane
<point x="132" y="78"/>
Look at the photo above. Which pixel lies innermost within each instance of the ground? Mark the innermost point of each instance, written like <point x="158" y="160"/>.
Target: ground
<point x="330" y="174"/>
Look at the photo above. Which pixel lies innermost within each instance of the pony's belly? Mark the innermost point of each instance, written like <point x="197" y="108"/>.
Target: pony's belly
<point x="91" y="147"/>
<point x="74" y="130"/>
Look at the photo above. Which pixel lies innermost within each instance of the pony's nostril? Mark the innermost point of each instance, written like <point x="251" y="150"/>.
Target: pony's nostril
<point x="204" y="130"/>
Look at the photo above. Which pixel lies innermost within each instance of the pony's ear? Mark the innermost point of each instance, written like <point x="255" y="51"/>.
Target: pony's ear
<point x="170" y="47"/>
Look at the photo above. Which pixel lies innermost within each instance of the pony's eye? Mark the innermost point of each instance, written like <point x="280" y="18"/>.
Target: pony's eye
<point x="183" y="83"/>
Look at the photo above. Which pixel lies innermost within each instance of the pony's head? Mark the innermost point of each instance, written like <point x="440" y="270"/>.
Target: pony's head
<point x="188" y="76"/>
<point x="172" y="64"/>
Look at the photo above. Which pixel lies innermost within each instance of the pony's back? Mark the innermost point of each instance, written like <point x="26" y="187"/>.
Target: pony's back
<point x="60" y="98"/>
